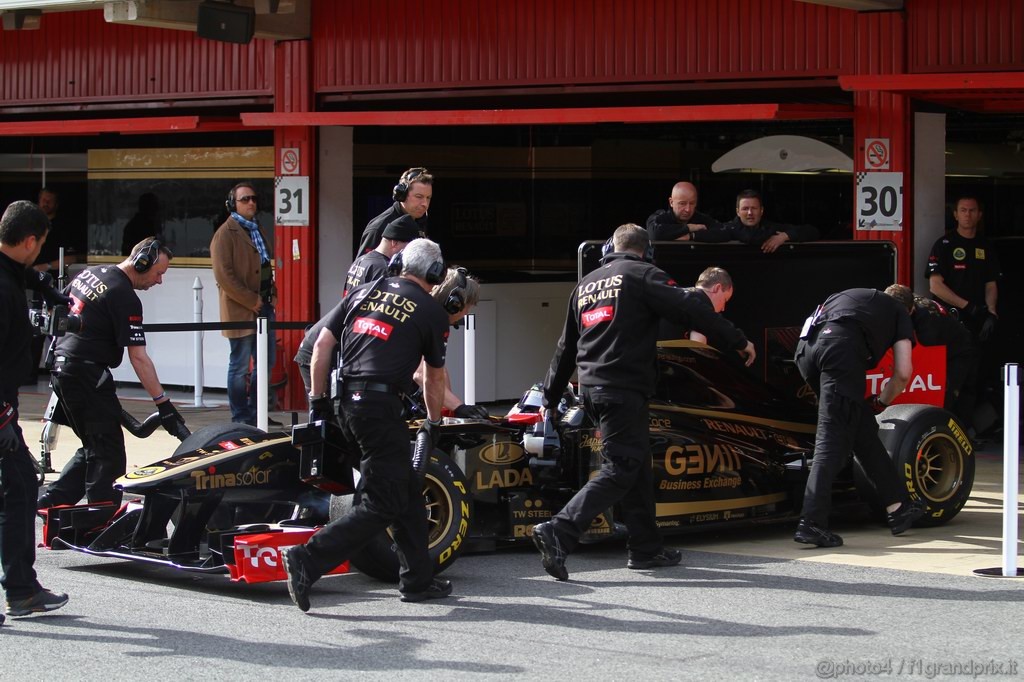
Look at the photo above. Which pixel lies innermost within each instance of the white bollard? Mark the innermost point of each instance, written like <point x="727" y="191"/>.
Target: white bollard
<point x="1011" y="452"/>
<point x="197" y="343"/>
<point x="469" y="360"/>
<point x="262" y="380"/>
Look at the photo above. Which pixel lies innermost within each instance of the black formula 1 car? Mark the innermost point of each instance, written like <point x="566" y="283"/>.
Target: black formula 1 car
<point x="726" y="448"/>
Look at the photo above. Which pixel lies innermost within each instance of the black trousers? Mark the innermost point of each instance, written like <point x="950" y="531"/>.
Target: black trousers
<point x="389" y="493"/>
<point x="835" y="368"/>
<point x="18" y="521"/>
<point x="625" y="477"/>
<point x="89" y="400"/>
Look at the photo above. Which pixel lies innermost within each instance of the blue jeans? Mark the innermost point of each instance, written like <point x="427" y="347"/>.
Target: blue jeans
<point x="242" y="382"/>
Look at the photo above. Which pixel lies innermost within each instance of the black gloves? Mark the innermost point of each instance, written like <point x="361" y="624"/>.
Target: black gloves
<point x="320" y="408"/>
<point x="425" y="438"/>
<point x="876" y="405"/>
<point x="172" y="420"/>
<point x="42" y="282"/>
<point x="987" y="327"/>
<point x="9" y="440"/>
<point x="471" y="412"/>
<point x="972" y="310"/>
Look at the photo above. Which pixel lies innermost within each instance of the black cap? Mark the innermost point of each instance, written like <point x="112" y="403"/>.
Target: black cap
<point x="403" y="229"/>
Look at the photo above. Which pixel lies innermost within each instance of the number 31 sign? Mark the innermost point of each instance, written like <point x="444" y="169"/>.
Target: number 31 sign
<point x="880" y="201"/>
<point x="292" y="200"/>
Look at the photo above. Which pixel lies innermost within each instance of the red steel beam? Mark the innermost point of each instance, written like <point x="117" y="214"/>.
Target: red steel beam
<point x="127" y="126"/>
<point x="556" y="116"/>
<point x="934" y="82"/>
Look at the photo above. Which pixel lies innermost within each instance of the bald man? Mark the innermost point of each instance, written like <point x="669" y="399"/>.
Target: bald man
<point x="681" y="218"/>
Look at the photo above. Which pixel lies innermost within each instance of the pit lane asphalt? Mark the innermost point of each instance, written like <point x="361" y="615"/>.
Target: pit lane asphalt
<point x="749" y="604"/>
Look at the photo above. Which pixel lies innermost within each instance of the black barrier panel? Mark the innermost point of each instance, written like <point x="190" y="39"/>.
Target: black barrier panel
<point x="774" y="292"/>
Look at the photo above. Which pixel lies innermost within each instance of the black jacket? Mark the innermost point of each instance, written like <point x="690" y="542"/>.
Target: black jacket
<point x="663" y="226"/>
<point x="15" y="330"/>
<point x="612" y="323"/>
<point x="375" y="228"/>
<point x="735" y="230"/>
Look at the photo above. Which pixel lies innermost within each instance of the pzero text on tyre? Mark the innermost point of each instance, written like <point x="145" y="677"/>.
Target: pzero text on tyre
<point x="446" y="496"/>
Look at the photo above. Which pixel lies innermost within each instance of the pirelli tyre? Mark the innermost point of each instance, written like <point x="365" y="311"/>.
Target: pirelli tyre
<point x="216" y="433"/>
<point x="449" y="509"/>
<point x="934" y="459"/>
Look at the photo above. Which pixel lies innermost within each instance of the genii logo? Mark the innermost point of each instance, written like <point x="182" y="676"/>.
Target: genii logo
<point x="598" y="315"/>
<point x="367" y="325"/>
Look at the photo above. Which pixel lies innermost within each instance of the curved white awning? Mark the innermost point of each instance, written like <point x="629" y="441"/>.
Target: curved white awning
<point x="783" y="154"/>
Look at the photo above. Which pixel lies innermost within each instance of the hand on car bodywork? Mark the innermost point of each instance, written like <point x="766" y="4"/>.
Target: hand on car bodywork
<point x="748" y="354"/>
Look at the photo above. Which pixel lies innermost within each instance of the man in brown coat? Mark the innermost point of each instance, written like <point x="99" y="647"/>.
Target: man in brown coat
<point x="242" y="266"/>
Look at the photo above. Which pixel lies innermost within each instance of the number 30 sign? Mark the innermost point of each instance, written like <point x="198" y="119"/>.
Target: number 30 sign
<point x="880" y="201"/>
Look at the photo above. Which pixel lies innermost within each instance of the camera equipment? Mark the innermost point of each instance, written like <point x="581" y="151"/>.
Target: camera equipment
<point x="57" y="321"/>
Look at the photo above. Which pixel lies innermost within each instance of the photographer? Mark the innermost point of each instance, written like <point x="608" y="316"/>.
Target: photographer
<point x="23" y="229"/>
<point x="110" y="319"/>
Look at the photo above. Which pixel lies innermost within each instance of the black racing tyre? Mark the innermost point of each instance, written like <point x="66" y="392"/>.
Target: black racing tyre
<point x="215" y="433"/>
<point x="933" y="456"/>
<point x="446" y="495"/>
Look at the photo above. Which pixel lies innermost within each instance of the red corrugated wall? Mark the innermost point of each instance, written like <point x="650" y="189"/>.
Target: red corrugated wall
<point x="395" y="44"/>
<point x="76" y="57"/>
<point x="965" y="35"/>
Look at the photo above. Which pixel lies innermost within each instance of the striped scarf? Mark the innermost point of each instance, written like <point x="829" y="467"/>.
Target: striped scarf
<point x="254" y="233"/>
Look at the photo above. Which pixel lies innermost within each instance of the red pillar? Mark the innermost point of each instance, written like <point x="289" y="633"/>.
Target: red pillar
<point x="294" y="245"/>
<point x="881" y="41"/>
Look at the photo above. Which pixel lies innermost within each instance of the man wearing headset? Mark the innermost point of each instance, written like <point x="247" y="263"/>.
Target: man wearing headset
<point x="243" y="267"/>
<point x="611" y="334"/>
<point x="366" y="268"/>
<point x="385" y="328"/>
<point x="412" y="197"/>
<point x="110" y="313"/>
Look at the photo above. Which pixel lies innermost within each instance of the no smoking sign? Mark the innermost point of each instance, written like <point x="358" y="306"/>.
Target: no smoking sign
<point x="289" y="161"/>
<point x="876" y="153"/>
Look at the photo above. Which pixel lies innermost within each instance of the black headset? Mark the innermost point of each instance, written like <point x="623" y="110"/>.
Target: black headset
<point x="435" y="273"/>
<point x="609" y="248"/>
<point x="230" y="204"/>
<point x="401" y="191"/>
<point x="147" y="256"/>
<point x="456" y="300"/>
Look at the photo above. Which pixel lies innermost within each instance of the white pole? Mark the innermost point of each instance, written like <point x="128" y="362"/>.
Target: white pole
<point x="262" y="336"/>
<point x="469" y="360"/>
<point x="197" y="343"/>
<point x="1011" y="451"/>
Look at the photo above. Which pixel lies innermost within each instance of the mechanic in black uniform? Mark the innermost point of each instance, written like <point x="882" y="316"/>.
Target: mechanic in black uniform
<point x="611" y="333"/>
<point x="934" y="326"/>
<point x="23" y="229"/>
<point x="845" y="337"/>
<point x="111" y="319"/>
<point x="365" y="268"/>
<point x="963" y="271"/>
<point x="385" y="327"/>
<point x="681" y="218"/>
<point x="750" y="227"/>
<point x="412" y="197"/>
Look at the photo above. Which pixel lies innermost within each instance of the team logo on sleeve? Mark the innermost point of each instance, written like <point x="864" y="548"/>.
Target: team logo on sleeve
<point x="368" y="325"/>
<point x="598" y="315"/>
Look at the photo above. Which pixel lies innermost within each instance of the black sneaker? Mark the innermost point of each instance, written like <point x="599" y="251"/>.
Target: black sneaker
<point x="903" y="518"/>
<point x="810" y="534"/>
<point x="40" y="602"/>
<point x="551" y="552"/>
<point x="666" y="557"/>
<point x="438" y="589"/>
<point x="300" y="578"/>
